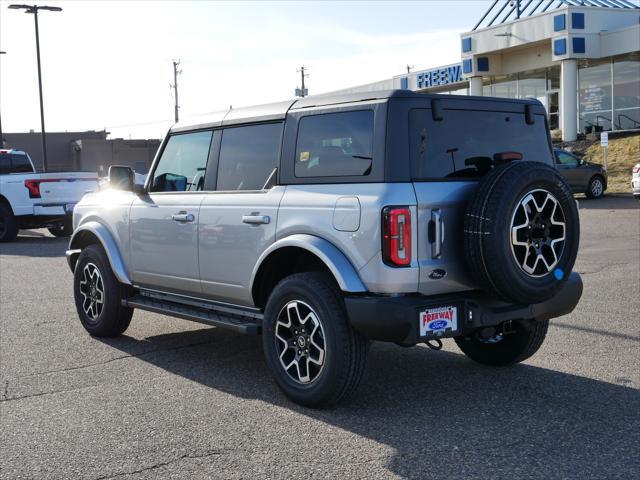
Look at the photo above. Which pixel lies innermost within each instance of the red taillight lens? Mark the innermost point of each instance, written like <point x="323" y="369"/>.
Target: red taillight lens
<point x="34" y="188"/>
<point x="396" y="236"/>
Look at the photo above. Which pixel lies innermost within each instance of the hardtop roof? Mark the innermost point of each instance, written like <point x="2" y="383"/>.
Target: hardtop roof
<point x="278" y="111"/>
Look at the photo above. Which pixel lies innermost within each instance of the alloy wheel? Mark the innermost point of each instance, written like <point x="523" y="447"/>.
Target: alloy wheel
<point x="92" y="291"/>
<point x="538" y="232"/>
<point x="300" y="342"/>
<point x="596" y="187"/>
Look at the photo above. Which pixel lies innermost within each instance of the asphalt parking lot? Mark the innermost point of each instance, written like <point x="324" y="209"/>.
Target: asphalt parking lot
<point x="173" y="399"/>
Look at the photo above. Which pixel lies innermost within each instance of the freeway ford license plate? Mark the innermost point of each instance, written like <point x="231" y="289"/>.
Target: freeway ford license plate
<point x="438" y="321"/>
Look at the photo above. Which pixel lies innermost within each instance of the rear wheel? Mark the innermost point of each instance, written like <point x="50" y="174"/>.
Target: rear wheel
<point x="492" y="346"/>
<point x="595" y="189"/>
<point x="313" y="354"/>
<point x="8" y="224"/>
<point x="98" y="295"/>
<point x="63" y="229"/>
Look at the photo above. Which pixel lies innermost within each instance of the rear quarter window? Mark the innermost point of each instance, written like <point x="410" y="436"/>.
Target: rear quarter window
<point x="335" y="144"/>
<point x="464" y="142"/>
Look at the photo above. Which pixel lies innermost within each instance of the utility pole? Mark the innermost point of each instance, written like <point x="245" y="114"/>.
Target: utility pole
<point x="176" y="72"/>
<point x="34" y="10"/>
<point x="1" y="139"/>
<point x="302" y="92"/>
<point x="409" y="68"/>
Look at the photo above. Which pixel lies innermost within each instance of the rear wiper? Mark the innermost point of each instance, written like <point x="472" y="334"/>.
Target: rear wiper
<point x="362" y="157"/>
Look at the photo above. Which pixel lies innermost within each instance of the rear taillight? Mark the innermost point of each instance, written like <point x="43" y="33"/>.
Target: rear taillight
<point x="396" y="236"/>
<point x="34" y="188"/>
<point x="636" y="169"/>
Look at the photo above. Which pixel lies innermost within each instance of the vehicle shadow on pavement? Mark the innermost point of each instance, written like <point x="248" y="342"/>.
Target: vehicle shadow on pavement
<point x="609" y="202"/>
<point x="31" y="243"/>
<point x="445" y="416"/>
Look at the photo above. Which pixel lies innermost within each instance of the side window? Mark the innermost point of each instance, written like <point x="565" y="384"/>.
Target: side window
<point x="183" y="163"/>
<point x="20" y="164"/>
<point x="5" y="163"/>
<point x="248" y="155"/>
<point x="335" y="145"/>
<point x="566" y="159"/>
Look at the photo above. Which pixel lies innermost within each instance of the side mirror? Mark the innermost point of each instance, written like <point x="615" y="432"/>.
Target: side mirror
<point x="121" y="178"/>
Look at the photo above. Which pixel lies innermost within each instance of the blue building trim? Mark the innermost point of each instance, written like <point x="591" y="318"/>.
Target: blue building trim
<point x="577" y="20"/>
<point x="483" y="64"/>
<point x="466" y="44"/>
<point x="559" y="23"/>
<point x="467" y="66"/>
<point x="560" y="47"/>
<point x="579" y="45"/>
<point x="404" y="83"/>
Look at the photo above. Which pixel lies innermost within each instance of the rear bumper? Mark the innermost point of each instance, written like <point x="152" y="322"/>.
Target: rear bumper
<point x="396" y="319"/>
<point x="53" y="209"/>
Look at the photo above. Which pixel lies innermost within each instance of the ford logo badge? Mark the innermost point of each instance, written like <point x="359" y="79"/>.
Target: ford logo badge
<point x="438" y="325"/>
<point x="437" y="274"/>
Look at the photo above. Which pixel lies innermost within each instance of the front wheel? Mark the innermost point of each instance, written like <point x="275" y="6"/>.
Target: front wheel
<point x="512" y="344"/>
<point x="313" y="353"/>
<point x="98" y="295"/>
<point x="595" y="189"/>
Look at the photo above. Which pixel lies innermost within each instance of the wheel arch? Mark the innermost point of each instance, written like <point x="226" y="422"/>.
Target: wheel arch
<point x="302" y="252"/>
<point x="92" y="233"/>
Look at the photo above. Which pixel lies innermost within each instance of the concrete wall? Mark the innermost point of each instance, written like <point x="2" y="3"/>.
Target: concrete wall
<point x="60" y="155"/>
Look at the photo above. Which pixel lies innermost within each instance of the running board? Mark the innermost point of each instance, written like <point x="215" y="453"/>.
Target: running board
<point x="236" y="323"/>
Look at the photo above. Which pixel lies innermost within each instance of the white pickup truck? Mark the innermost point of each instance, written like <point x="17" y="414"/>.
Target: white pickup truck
<point x="37" y="200"/>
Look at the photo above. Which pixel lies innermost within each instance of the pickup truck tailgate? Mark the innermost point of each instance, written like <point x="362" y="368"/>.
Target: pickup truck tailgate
<point x="61" y="188"/>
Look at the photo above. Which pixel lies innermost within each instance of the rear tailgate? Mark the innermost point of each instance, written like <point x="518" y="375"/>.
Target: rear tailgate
<point x="65" y="189"/>
<point x="449" y="156"/>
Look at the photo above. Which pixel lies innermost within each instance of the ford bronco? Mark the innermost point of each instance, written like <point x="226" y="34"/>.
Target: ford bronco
<point x="325" y="222"/>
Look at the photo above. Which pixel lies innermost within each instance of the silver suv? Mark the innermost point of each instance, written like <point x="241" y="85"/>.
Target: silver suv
<point x="326" y="222"/>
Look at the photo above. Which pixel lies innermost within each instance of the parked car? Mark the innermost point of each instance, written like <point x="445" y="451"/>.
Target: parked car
<point x="583" y="177"/>
<point x="36" y="200"/>
<point x="325" y="222"/>
<point x="635" y="181"/>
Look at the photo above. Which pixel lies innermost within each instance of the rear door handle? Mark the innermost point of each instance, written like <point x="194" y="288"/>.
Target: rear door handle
<point x="255" y="219"/>
<point x="183" y="217"/>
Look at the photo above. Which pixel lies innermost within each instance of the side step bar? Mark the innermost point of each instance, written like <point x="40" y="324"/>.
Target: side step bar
<point x="236" y="323"/>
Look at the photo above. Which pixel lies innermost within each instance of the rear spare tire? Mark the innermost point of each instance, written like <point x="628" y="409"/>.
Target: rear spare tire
<point x="521" y="232"/>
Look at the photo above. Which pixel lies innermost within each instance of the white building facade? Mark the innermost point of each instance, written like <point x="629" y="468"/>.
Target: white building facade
<point x="580" y="58"/>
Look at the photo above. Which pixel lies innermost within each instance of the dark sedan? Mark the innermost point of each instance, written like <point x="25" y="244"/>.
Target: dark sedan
<point x="582" y="177"/>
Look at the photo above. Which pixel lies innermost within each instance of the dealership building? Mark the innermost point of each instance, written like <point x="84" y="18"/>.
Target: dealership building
<point x="580" y="58"/>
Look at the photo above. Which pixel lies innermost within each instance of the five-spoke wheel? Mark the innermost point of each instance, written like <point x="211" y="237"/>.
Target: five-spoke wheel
<point x="92" y="291"/>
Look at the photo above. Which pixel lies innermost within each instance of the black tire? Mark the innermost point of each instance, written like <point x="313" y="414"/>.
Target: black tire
<point x="8" y="223"/>
<point x="595" y="189"/>
<point x="111" y="318"/>
<point x="526" y="339"/>
<point x="345" y="350"/>
<point x="499" y="204"/>
<point x="64" y="229"/>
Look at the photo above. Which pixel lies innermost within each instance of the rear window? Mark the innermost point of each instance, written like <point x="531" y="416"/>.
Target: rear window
<point x="14" y="163"/>
<point x="463" y="143"/>
<point x="335" y="145"/>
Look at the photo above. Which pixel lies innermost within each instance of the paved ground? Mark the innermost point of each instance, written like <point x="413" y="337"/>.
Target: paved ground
<point x="172" y="399"/>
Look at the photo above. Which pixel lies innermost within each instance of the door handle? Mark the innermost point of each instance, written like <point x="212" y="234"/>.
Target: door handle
<point x="437" y="240"/>
<point x="255" y="219"/>
<point x="183" y="217"/>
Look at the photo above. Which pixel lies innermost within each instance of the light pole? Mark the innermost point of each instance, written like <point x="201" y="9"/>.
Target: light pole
<point x="34" y="10"/>
<point x="1" y="139"/>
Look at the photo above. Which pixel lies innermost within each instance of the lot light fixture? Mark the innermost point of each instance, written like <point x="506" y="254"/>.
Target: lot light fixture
<point x="34" y="10"/>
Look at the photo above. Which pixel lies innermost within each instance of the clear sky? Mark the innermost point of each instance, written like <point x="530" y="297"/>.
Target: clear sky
<point x="108" y="64"/>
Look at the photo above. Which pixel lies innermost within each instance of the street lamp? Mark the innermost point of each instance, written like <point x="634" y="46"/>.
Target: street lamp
<point x="1" y="139"/>
<point x="34" y="10"/>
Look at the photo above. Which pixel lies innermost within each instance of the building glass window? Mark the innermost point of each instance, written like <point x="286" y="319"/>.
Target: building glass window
<point x="594" y="89"/>
<point x="504" y="87"/>
<point x="626" y="92"/>
<point x="553" y="78"/>
<point x="533" y="85"/>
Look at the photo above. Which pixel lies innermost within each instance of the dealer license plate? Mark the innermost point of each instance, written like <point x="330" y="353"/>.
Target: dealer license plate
<point x="438" y="321"/>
